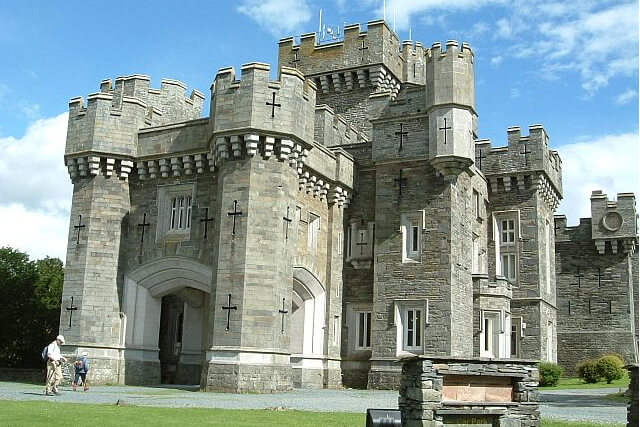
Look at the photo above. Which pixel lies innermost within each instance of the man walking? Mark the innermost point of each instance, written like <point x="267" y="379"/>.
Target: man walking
<point x="54" y="373"/>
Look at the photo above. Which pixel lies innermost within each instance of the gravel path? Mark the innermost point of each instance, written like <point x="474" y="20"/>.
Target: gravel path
<point x="583" y="405"/>
<point x="573" y="405"/>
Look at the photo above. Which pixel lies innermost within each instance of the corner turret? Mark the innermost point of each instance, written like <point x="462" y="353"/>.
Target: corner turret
<point x="450" y="103"/>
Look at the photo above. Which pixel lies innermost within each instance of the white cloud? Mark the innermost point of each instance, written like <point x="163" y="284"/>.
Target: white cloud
<point x="514" y="93"/>
<point x="35" y="232"/>
<point x="35" y="191"/>
<point x="404" y="9"/>
<point x="608" y="163"/>
<point x="597" y="39"/>
<point x="280" y="17"/>
<point x="626" y="96"/>
<point x="496" y="60"/>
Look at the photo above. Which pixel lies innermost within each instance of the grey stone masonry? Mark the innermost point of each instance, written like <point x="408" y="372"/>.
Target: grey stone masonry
<point x="443" y="391"/>
<point x="525" y="186"/>
<point x="597" y="284"/>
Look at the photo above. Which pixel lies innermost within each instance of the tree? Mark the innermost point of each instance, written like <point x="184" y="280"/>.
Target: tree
<point x="29" y="307"/>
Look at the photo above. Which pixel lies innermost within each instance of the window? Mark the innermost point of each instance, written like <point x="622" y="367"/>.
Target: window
<point x="508" y="266"/>
<point x="312" y="231"/>
<point x="475" y="257"/>
<point x="175" y="208"/>
<point x="180" y="213"/>
<point x="349" y="234"/>
<point x="362" y="242"/>
<point x="413" y="329"/>
<point x="411" y="237"/>
<point x="340" y="243"/>
<point x="411" y="317"/>
<point x="507" y="234"/>
<point x="363" y="330"/>
<point x="476" y="205"/>
<point x="516" y="336"/>
<point x="490" y="333"/>
<point x="336" y="330"/>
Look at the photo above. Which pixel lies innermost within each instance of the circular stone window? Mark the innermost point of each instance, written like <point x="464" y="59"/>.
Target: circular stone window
<point x="612" y="221"/>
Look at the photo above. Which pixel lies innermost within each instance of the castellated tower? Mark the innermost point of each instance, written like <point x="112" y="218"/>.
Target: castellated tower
<point x="525" y="182"/>
<point x="262" y="130"/>
<point x="597" y="274"/>
<point x="101" y="147"/>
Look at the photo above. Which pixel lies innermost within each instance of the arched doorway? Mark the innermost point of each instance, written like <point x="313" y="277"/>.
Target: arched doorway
<point x="165" y="307"/>
<point x="308" y="324"/>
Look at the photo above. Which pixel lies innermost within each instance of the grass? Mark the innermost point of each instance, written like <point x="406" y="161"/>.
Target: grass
<point x="40" y="413"/>
<point x="572" y="383"/>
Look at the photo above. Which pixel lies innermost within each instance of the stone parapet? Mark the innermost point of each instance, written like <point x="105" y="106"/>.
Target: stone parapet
<point x="437" y="391"/>
<point x="379" y="45"/>
<point x="525" y="161"/>
<point x="284" y="106"/>
<point x="111" y="118"/>
<point x="614" y="222"/>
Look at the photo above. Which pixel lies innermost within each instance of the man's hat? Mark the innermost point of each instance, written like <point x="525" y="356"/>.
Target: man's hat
<point x="60" y="338"/>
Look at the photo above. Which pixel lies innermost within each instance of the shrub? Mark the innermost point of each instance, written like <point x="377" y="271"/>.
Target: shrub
<point x="610" y="367"/>
<point x="588" y="371"/>
<point x="550" y="374"/>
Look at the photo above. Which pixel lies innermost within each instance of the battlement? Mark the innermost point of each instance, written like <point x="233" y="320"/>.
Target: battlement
<point x="447" y="69"/>
<point x="453" y="49"/>
<point x="525" y="155"/>
<point x="284" y="106"/>
<point x="613" y="221"/>
<point x="413" y="62"/>
<point x="378" y="45"/>
<point x="332" y="129"/>
<point x="111" y="117"/>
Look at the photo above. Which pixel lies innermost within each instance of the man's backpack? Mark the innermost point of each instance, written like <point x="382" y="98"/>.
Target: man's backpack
<point x="45" y="353"/>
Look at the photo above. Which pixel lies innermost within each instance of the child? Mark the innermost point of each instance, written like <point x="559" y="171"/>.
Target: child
<point x="82" y="369"/>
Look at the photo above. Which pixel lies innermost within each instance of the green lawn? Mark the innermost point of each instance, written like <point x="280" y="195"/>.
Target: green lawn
<point x="40" y="413"/>
<point x="568" y="383"/>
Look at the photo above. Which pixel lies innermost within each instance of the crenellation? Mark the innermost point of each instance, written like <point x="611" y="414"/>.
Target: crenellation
<point x="614" y="222"/>
<point x="523" y="156"/>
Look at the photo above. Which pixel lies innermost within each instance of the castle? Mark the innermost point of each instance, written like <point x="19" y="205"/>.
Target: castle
<point x="314" y="229"/>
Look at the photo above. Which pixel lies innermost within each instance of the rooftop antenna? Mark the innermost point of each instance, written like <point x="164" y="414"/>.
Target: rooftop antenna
<point x="320" y="26"/>
<point x="410" y="39"/>
<point x="394" y="20"/>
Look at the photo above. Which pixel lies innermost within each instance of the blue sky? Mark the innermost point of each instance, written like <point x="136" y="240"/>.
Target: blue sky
<point x="569" y="65"/>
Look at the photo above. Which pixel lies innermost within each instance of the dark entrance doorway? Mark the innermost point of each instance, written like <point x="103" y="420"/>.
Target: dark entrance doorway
<point x="170" y="337"/>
